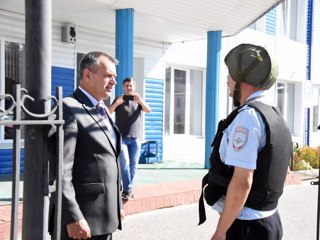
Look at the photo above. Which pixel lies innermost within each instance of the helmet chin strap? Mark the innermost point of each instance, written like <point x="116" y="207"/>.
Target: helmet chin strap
<point x="240" y="76"/>
<point x="236" y="95"/>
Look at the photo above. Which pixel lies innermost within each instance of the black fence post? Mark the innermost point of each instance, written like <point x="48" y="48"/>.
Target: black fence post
<point x="38" y="82"/>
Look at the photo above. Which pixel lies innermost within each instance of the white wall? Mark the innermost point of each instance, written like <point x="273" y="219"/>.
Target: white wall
<point x="152" y="57"/>
<point x="12" y="27"/>
<point x="183" y="148"/>
<point x="291" y="57"/>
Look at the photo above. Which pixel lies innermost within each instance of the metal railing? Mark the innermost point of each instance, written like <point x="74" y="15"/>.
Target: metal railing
<point x="53" y="118"/>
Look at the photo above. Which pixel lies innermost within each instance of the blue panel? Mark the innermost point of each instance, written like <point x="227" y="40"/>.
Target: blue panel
<point x="154" y="89"/>
<point x="271" y="22"/>
<point x="60" y="77"/>
<point x="63" y="77"/>
<point x="6" y="161"/>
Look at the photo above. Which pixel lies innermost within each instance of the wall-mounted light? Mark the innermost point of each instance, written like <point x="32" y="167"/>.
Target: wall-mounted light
<point x="69" y="33"/>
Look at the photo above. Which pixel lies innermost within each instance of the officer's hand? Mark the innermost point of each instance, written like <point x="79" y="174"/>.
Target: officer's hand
<point x="217" y="236"/>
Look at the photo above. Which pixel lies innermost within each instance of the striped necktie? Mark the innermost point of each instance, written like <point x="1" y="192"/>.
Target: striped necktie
<point x="104" y="114"/>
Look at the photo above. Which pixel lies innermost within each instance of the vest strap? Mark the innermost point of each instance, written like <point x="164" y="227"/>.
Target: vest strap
<point x="202" y="210"/>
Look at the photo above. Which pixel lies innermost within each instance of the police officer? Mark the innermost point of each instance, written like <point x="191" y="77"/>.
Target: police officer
<point x="251" y="153"/>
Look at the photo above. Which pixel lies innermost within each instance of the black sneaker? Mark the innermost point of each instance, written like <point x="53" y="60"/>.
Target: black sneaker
<point x="126" y="195"/>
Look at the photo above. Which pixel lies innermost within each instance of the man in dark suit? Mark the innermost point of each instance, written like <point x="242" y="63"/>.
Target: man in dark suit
<point x="91" y="202"/>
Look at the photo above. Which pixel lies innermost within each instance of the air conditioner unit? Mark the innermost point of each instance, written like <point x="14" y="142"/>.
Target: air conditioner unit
<point x="69" y="33"/>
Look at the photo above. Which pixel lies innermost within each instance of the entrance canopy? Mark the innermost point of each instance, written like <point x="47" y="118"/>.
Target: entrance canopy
<point x="160" y="20"/>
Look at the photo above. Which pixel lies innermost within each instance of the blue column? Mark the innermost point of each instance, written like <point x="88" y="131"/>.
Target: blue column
<point x="212" y="90"/>
<point x="124" y="45"/>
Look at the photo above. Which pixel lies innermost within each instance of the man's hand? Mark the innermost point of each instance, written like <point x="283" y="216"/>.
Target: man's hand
<point x="116" y="103"/>
<point x="217" y="237"/>
<point x="144" y="105"/>
<point x="119" y="100"/>
<point x="79" y="230"/>
<point x="122" y="214"/>
<point x="137" y="98"/>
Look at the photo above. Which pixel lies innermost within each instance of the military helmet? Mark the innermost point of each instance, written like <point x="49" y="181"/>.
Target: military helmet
<point x="252" y="64"/>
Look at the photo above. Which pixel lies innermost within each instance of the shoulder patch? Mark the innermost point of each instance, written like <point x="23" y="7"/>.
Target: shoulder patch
<point x="240" y="138"/>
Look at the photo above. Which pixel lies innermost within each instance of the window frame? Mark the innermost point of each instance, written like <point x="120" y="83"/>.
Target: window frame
<point x="6" y="143"/>
<point x="315" y="103"/>
<point x="291" y="17"/>
<point x="187" y="70"/>
<point x="288" y="115"/>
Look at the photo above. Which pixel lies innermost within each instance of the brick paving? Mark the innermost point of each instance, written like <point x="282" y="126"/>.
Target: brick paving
<point x="146" y="198"/>
<point x="5" y="220"/>
<point x="162" y="195"/>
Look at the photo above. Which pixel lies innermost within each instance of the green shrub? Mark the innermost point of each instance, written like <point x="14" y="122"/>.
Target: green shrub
<point x="306" y="158"/>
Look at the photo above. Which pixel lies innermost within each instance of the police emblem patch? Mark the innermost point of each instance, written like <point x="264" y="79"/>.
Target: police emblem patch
<point x="240" y="138"/>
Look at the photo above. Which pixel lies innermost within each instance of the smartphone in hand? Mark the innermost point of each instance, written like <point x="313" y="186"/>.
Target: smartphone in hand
<point x="128" y="97"/>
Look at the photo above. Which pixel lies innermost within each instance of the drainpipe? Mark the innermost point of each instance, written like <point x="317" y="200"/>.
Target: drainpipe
<point x="309" y="61"/>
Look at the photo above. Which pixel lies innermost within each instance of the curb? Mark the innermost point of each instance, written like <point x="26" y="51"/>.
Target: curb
<point x="146" y="198"/>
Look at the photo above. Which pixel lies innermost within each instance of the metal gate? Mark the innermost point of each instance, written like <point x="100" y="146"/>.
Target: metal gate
<point x="53" y="118"/>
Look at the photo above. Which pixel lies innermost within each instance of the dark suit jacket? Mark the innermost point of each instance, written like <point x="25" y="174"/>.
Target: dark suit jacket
<point x="91" y="175"/>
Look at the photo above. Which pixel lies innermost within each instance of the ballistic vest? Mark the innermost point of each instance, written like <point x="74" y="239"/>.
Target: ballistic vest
<point x="272" y="164"/>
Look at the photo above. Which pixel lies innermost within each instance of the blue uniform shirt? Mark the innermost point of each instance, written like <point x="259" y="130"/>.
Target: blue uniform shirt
<point x="240" y="145"/>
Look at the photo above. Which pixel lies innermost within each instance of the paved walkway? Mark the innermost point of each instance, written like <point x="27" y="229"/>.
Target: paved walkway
<point x="297" y="208"/>
<point x="155" y="188"/>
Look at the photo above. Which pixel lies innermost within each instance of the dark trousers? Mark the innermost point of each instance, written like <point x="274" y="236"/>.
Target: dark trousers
<point x="269" y="228"/>
<point x="100" y="237"/>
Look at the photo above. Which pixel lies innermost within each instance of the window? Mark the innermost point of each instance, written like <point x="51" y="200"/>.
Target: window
<point x="79" y="57"/>
<point x="285" y="102"/>
<point x="14" y="57"/>
<point x="183" y="101"/>
<point x="316" y="113"/>
<point x="271" y="19"/>
<point x="288" y="20"/>
<point x="195" y="97"/>
<point x="167" y="106"/>
<point x="283" y="18"/>
<point x="315" y="118"/>
<point x="259" y="25"/>
<point x="179" y="111"/>
<point x="292" y="15"/>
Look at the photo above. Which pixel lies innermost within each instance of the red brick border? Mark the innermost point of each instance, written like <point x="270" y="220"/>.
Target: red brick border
<point x="146" y="198"/>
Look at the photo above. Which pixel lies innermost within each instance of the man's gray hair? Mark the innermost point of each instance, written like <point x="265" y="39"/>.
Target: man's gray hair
<point x="91" y="61"/>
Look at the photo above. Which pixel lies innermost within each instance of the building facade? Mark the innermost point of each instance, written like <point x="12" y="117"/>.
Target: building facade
<point x="172" y="76"/>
